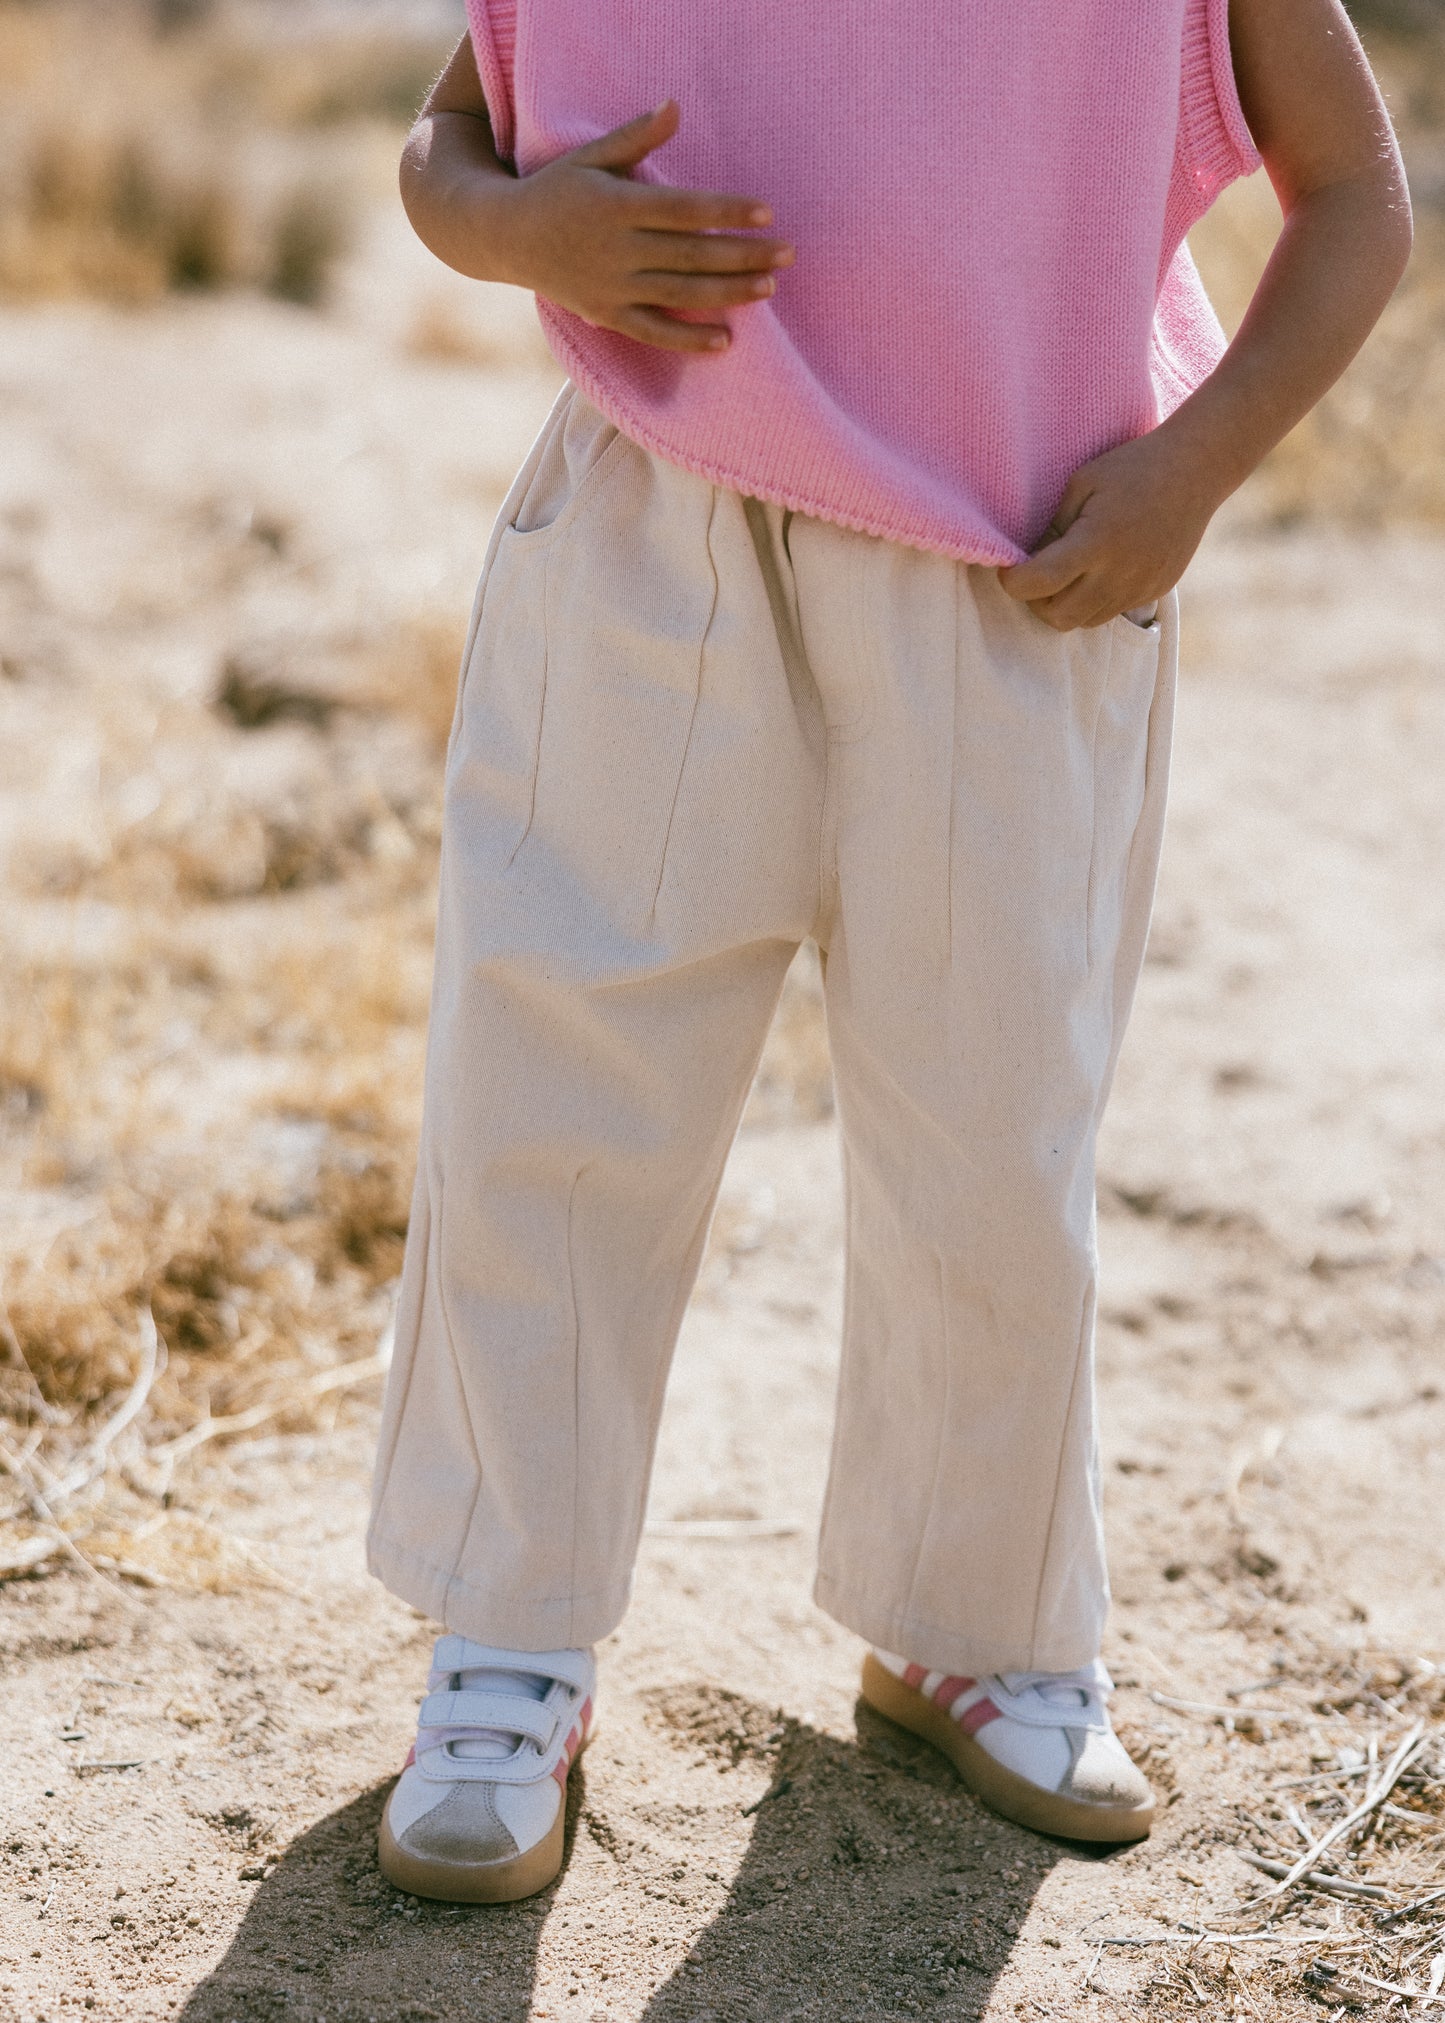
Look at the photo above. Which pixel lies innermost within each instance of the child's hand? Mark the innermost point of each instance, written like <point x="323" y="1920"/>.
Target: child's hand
<point x="1124" y="531"/>
<point x="1130" y="520"/>
<point x="631" y="255"/>
<point x="657" y="264"/>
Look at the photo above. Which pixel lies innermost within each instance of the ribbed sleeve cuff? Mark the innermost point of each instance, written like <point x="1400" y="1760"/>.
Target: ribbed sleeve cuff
<point x="1219" y="144"/>
<point x="493" y="24"/>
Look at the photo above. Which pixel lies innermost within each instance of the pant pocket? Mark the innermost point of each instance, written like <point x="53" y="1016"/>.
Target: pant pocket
<point x="497" y="733"/>
<point x="629" y="595"/>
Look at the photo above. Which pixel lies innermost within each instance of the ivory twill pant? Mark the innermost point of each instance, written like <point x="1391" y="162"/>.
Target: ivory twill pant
<point x="693" y="730"/>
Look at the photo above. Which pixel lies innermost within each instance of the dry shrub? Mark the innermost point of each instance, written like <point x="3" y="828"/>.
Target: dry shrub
<point x="235" y="1289"/>
<point x="199" y="845"/>
<point x="279" y="787"/>
<point x="257" y="1323"/>
<point x="309" y="233"/>
<point x="178" y="1548"/>
<point x="134" y="161"/>
<point x="414" y="673"/>
<point x="316" y="75"/>
<point x="99" y="215"/>
<point x="104" y="214"/>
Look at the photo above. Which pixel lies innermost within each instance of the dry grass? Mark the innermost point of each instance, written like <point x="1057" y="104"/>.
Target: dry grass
<point x="203" y="151"/>
<point x="1363" y="1928"/>
<point x="270" y="969"/>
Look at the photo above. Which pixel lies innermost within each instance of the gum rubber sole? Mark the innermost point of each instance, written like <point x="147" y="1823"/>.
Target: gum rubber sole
<point x="477" y="1882"/>
<point x="473" y="1882"/>
<point x="1002" y="1790"/>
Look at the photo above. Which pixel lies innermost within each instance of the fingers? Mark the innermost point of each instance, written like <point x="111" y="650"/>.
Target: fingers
<point x="708" y="253"/>
<point x="657" y="207"/>
<point x="627" y="145"/>
<point x="703" y="291"/>
<point x="655" y="326"/>
<point x="1048" y="570"/>
<point x="1072" y="611"/>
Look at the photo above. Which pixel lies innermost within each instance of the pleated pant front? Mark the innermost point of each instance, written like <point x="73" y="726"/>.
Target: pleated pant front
<point x="694" y="730"/>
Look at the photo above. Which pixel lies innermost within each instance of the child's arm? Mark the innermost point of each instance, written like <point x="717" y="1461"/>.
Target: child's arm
<point x="626" y="255"/>
<point x="1130" y="520"/>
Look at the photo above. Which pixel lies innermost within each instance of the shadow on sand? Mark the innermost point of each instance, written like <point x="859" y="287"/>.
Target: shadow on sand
<point x="873" y="1887"/>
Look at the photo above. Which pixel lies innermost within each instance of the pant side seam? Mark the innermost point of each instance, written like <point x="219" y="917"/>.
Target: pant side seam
<point x="1091" y="887"/>
<point x="696" y="704"/>
<point x="386" y="1458"/>
<point x="466" y="1526"/>
<point x="576" y="1376"/>
<point x="943" y="1420"/>
<point x="830" y="1488"/>
<point x="1157" y="741"/>
<point x="1079" y="1362"/>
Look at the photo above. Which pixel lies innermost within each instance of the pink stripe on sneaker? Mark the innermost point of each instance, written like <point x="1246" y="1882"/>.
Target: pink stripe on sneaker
<point x="945" y="1695"/>
<point x="978" y="1716"/>
<point x="572" y="1744"/>
<point x="914" y="1676"/>
<point x="410" y="1757"/>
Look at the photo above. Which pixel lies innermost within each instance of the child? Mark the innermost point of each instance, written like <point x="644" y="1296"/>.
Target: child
<point x="834" y="600"/>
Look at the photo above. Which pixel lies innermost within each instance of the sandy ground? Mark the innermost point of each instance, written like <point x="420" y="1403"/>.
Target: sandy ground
<point x="193" y="1779"/>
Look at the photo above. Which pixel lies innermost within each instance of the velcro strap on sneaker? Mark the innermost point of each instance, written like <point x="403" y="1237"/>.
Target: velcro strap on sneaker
<point x="460" y="1654"/>
<point x="1017" y="1695"/>
<point x="508" y="1712"/>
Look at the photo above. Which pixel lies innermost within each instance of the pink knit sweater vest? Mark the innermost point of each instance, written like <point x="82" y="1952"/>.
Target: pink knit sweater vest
<point x="989" y="205"/>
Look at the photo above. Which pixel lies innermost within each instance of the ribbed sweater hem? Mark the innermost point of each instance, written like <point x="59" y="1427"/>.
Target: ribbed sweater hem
<point x="910" y="530"/>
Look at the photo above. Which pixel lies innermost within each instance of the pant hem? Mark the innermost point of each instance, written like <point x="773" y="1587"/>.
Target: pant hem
<point x="518" y="1622"/>
<point x="962" y="1653"/>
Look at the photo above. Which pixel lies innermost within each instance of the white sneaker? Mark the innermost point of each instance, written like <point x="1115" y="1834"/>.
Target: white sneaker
<point x="476" y="1816"/>
<point x="1036" y="1746"/>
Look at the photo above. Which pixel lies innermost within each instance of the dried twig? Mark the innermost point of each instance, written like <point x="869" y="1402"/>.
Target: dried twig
<point x="92" y="1458"/>
<point x="60" y="1537"/>
<point x="1335" y="1886"/>
<point x="1228" y="1714"/>
<point x="1190" y="1935"/>
<point x="1409" y="1910"/>
<point x="1388" y="1987"/>
<point x="776" y="1790"/>
<point x="1322" y="1777"/>
<point x="11" y="1343"/>
<point x="208" y="1428"/>
<point x="1376" y="1795"/>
